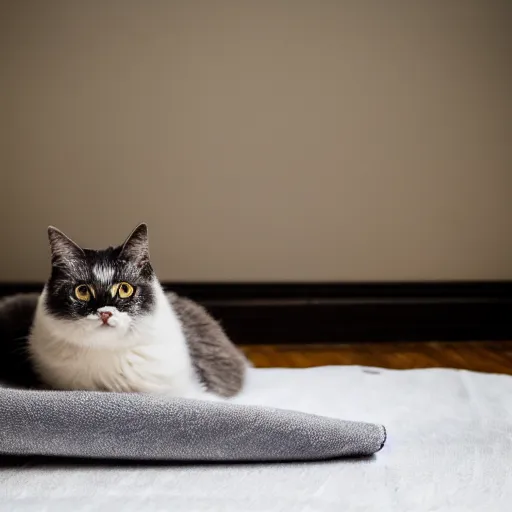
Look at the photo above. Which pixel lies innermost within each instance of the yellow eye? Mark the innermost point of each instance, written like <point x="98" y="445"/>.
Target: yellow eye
<point x="125" y="290"/>
<point x="82" y="293"/>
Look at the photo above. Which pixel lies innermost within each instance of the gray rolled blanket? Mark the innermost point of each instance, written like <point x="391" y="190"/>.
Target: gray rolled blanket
<point x="146" y="427"/>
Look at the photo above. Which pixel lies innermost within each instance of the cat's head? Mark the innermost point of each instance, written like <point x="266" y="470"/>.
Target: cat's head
<point x="100" y="293"/>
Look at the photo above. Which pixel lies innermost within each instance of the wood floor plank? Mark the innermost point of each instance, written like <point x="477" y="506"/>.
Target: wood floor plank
<point x="491" y="357"/>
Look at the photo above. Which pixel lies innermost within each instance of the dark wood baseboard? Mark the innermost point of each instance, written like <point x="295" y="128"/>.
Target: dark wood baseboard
<point x="280" y="313"/>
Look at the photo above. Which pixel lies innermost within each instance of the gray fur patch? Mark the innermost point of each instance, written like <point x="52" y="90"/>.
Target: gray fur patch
<point x="16" y="316"/>
<point x="218" y="363"/>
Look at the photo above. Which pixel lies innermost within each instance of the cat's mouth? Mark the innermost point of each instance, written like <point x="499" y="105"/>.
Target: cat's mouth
<point x="109" y="319"/>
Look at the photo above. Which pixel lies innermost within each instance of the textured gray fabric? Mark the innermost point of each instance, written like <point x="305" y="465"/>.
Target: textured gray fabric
<point x="449" y="450"/>
<point x="136" y="426"/>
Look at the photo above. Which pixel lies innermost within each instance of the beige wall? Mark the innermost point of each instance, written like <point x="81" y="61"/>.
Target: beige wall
<point x="279" y="140"/>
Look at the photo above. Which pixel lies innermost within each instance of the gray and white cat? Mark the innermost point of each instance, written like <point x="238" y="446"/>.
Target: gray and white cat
<point x="103" y="322"/>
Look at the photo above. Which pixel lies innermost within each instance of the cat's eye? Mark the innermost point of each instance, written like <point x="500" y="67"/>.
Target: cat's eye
<point x="83" y="293"/>
<point x="125" y="290"/>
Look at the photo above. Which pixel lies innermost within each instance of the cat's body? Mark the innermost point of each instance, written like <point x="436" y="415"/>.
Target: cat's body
<point x="154" y="357"/>
<point x="103" y="322"/>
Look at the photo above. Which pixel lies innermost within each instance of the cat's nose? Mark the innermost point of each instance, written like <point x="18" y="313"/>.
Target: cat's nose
<point x="105" y="315"/>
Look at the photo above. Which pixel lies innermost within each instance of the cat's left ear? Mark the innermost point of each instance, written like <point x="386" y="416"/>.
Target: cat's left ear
<point x="136" y="246"/>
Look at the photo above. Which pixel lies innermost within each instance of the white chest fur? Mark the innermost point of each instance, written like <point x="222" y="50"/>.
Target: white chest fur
<point x="149" y="355"/>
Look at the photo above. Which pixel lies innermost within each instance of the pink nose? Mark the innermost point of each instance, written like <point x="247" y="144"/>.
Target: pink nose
<point x="105" y="315"/>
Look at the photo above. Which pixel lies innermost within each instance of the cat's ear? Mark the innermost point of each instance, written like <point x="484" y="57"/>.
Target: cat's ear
<point x="62" y="247"/>
<point x="136" y="246"/>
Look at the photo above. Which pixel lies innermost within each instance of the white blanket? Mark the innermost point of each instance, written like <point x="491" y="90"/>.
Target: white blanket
<point x="449" y="448"/>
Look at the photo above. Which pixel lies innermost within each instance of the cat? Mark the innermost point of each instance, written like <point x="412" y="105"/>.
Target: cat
<point x="103" y="322"/>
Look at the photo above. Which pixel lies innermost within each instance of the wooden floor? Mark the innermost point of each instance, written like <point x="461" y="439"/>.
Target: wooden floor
<point x="492" y="357"/>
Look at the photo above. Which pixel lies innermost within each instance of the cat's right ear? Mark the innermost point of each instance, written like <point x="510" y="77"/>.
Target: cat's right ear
<point x="62" y="247"/>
